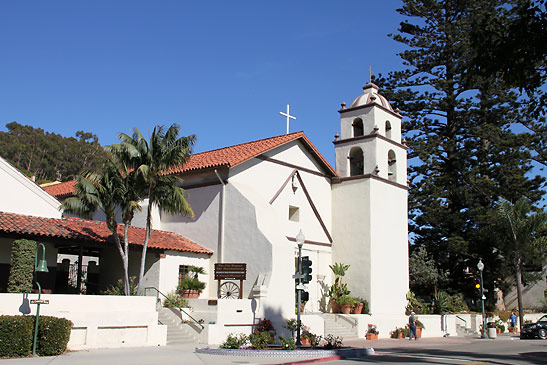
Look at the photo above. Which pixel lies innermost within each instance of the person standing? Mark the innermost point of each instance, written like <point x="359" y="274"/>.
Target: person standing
<point x="412" y="326"/>
<point x="513" y="318"/>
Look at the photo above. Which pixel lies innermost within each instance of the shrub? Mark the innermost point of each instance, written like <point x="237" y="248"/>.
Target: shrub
<point x="314" y="339"/>
<point x="265" y="325"/>
<point x="260" y="340"/>
<point x="235" y="341"/>
<point x="175" y="300"/>
<point x="22" y="266"/>
<point x="53" y="335"/>
<point x="16" y="335"/>
<point x="118" y="289"/>
<point x="332" y="342"/>
<point x="287" y="343"/>
<point x="191" y="284"/>
<point x="366" y="308"/>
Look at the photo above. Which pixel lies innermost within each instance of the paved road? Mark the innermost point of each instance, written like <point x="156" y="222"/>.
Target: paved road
<point x="451" y="350"/>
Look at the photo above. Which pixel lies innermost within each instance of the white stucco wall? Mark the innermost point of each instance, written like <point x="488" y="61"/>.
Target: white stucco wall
<point x="352" y="234"/>
<point x="100" y="321"/>
<point x="22" y="196"/>
<point x="259" y="181"/>
<point x="169" y="271"/>
<point x="389" y="248"/>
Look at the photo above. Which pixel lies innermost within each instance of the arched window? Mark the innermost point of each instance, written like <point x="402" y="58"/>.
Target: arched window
<point x="358" y="127"/>
<point x="388" y="129"/>
<point x="391" y="166"/>
<point x="356" y="162"/>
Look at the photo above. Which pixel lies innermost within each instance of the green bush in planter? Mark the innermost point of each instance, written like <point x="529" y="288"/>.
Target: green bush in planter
<point x="53" y="335"/>
<point x="17" y="334"/>
<point x="191" y="284"/>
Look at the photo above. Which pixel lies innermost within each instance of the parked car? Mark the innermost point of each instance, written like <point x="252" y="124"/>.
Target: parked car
<point x="538" y="329"/>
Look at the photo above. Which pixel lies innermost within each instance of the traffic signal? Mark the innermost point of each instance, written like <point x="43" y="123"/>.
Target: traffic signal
<point x="304" y="296"/>
<point x="478" y="291"/>
<point x="306" y="269"/>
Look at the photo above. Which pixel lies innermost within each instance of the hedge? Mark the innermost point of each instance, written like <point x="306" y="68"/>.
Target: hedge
<point x="16" y="335"/>
<point x="22" y="266"/>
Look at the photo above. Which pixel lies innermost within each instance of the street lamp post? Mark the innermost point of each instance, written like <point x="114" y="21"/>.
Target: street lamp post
<point x="480" y="266"/>
<point x="300" y="238"/>
<point x="38" y="267"/>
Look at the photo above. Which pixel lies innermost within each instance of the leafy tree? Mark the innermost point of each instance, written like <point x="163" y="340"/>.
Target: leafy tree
<point x="508" y="43"/>
<point x="423" y="271"/>
<point x="22" y="266"/>
<point x="463" y="152"/>
<point x="104" y="191"/>
<point x="523" y="240"/>
<point x="150" y="161"/>
<point x="50" y="156"/>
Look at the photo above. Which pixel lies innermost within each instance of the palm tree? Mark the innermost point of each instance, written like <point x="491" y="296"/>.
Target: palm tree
<point x="104" y="191"/>
<point x="150" y="162"/>
<point x="524" y="234"/>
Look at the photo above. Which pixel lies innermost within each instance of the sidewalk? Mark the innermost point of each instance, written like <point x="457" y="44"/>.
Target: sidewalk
<point x="185" y="353"/>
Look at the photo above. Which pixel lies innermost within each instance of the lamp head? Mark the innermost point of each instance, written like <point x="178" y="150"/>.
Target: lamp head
<point x="300" y="238"/>
<point x="42" y="266"/>
<point x="480" y="265"/>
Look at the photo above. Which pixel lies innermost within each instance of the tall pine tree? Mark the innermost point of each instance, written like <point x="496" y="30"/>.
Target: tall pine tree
<point x="464" y="152"/>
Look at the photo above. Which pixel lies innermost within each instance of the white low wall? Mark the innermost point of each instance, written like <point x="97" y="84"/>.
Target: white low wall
<point x="100" y="321"/>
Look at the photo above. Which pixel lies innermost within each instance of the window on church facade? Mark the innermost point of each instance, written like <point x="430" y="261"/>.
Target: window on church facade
<point x="357" y="127"/>
<point x="356" y="162"/>
<point x="294" y="214"/>
<point x="388" y="129"/>
<point x="391" y="166"/>
<point x="184" y="271"/>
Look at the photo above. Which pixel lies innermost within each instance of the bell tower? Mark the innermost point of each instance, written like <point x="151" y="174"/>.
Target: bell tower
<point x="370" y="209"/>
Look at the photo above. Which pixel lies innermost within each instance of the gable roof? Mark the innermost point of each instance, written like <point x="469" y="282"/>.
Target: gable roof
<point x="234" y="155"/>
<point x="18" y="188"/>
<point x="222" y="157"/>
<point x="92" y="231"/>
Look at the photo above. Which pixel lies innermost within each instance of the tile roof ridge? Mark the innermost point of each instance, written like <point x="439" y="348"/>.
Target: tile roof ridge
<point x="244" y="143"/>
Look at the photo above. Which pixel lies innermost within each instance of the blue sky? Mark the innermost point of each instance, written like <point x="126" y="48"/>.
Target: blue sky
<point x="223" y="70"/>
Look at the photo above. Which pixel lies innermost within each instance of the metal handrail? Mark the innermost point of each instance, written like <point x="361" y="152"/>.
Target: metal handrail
<point x="179" y="308"/>
<point x="464" y="321"/>
<point x="352" y="322"/>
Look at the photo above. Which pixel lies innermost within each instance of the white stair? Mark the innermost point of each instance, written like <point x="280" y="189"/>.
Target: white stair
<point x="340" y="325"/>
<point x="177" y="332"/>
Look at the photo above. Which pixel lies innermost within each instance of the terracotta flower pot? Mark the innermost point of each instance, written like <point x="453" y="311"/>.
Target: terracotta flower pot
<point x="371" y="336"/>
<point x="190" y="293"/>
<point x="358" y="308"/>
<point x="335" y="307"/>
<point x="346" y="308"/>
<point x="304" y="340"/>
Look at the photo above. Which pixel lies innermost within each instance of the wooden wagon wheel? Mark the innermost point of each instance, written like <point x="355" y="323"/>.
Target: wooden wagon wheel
<point x="229" y="290"/>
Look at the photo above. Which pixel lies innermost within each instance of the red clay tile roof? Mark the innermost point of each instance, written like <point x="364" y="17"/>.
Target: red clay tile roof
<point x="234" y="155"/>
<point x="228" y="156"/>
<point x="61" y="190"/>
<point x="94" y="231"/>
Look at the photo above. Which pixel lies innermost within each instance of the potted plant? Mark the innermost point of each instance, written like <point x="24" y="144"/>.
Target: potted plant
<point x="500" y="327"/>
<point x="191" y="286"/>
<point x="419" y="327"/>
<point x="339" y="290"/>
<point x="372" y="332"/>
<point x="346" y="303"/>
<point x="399" y="332"/>
<point x="358" y="307"/>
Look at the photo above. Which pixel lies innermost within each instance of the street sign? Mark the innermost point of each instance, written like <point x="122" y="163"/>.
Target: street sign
<point x="39" y="301"/>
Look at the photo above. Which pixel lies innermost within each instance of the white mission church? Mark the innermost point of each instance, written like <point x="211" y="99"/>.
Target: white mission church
<point x="251" y="200"/>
